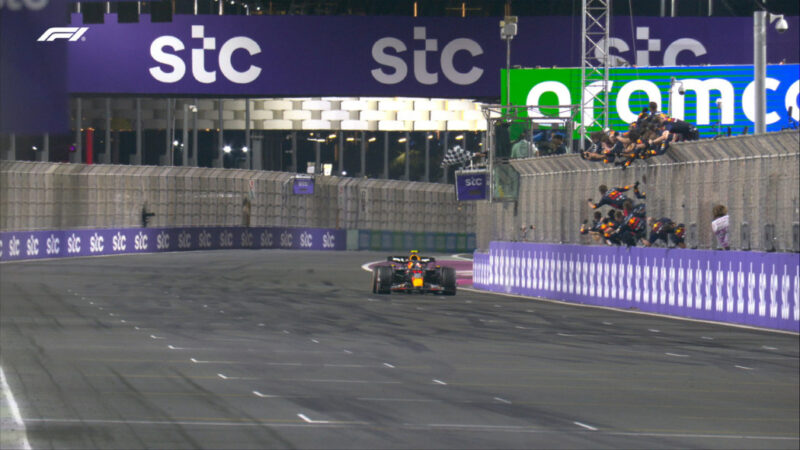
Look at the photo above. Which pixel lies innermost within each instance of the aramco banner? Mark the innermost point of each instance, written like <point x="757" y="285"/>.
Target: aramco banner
<point x="471" y="185"/>
<point x="713" y="97"/>
<point x="377" y="56"/>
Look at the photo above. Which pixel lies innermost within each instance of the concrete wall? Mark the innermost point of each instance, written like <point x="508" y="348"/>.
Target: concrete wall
<point x="756" y="177"/>
<point x="52" y="196"/>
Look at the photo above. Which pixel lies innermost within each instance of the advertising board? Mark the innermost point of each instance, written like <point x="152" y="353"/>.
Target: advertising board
<point x="303" y="185"/>
<point x="375" y="56"/>
<point x="750" y="288"/>
<point x="471" y="185"/>
<point x="714" y="98"/>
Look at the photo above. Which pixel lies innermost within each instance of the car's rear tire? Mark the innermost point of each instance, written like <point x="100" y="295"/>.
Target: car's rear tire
<point x="382" y="277"/>
<point x="449" y="281"/>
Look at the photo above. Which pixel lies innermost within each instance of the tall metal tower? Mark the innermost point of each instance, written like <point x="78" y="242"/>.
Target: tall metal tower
<point x="595" y="89"/>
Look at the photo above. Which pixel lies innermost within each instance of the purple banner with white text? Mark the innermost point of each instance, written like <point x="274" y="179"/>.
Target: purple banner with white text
<point x="471" y="185"/>
<point x="379" y="56"/>
<point x="24" y="245"/>
<point x="750" y="288"/>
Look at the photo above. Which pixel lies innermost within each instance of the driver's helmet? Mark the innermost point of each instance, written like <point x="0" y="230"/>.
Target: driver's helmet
<point x="413" y="258"/>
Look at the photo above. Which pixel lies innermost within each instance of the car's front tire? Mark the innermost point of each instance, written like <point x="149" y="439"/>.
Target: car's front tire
<point x="382" y="277"/>
<point x="449" y="281"/>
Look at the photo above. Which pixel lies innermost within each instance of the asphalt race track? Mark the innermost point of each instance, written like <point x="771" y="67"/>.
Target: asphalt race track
<point x="290" y="349"/>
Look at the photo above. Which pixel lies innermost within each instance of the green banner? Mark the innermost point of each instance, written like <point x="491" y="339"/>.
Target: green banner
<point x="711" y="97"/>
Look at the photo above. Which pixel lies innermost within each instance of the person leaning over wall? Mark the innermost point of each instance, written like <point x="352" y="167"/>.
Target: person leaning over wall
<point x="720" y="225"/>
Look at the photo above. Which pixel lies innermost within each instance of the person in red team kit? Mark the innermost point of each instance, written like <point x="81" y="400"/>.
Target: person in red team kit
<point x="615" y="197"/>
<point x="667" y="230"/>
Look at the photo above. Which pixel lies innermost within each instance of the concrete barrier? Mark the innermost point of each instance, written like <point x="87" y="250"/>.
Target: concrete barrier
<point x="52" y="196"/>
<point x="756" y="177"/>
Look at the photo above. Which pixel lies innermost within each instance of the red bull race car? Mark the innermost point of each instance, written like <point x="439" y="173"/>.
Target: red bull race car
<point x="413" y="274"/>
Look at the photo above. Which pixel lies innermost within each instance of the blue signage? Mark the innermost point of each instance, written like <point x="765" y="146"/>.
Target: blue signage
<point x="471" y="185"/>
<point x="303" y="185"/>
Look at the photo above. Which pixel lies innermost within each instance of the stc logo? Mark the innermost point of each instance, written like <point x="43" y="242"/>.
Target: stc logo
<point x="421" y="74"/>
<point x="473" y="182"/>
<point x="198" y="58"/>
<point x="642" y="57"/>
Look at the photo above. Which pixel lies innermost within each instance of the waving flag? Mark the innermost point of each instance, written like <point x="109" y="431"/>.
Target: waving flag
<point x="456" y="156"/>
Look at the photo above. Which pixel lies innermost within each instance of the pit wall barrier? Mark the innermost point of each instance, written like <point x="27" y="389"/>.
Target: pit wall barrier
<point x="756" y="177"/>
<point x="29" y="245"/>
<point x="750" y="288"/>
<point x="55" y="196"/>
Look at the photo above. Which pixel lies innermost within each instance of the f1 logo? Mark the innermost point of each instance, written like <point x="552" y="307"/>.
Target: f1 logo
<point x="70" y="33"/>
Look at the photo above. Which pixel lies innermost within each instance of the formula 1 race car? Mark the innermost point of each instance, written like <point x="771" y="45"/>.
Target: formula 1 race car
<point x="413" y="274"/>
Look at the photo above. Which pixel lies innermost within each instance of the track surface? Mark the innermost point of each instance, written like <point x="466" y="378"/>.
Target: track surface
<point x="280" y="349"/>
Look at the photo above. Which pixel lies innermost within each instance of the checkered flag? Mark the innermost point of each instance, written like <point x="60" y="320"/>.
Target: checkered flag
<point x="456" y="156"/>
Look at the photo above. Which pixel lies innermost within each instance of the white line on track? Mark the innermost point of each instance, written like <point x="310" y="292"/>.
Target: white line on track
<point x="677" y="355"/>
<point x="588" y="427"/>
<point x="348" y="352"/>
<point x="653" y="330"/>
<point x="767" y="347"/>
<point x="305" y="418"/>
<point x="172" y="347"/>
<point x="502" y="400"/>
<point x="492" y="428"/>
<point x="457" y="256"/>
<point x="153" y="336"/>
<point x="259" y="394"/>
<point x="707" y="338"/>
<point x="743" y="367"/>
<point x="22" y="441"/>
<point x="388" y="365"/>
<point x="439" y="382"/>
<point x="565" y="334"/>
<point x="315" y="341"/>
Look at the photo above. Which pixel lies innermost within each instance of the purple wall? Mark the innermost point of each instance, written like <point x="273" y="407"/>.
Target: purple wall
<point x="67" y="243"/>
<point x="752" y="288"/>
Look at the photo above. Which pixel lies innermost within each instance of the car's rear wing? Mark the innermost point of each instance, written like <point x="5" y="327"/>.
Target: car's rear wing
<point x="404" y="259"/>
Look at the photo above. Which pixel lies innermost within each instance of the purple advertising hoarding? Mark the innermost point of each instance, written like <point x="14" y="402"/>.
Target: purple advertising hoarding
<point x="303" y="186"/>
<point x="471" y="185"/>
<point x="751" y="288"/>
<point x="378" y="56"/>
<point x="24" y="245"/>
